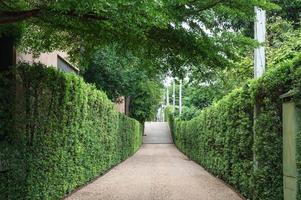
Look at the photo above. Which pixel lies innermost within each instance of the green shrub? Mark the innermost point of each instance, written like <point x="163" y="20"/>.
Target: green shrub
<point x="221" y="137"/>
<point x="145" y="101"/>
<point x="65" y="133"/>
<point x="170" y="119"/>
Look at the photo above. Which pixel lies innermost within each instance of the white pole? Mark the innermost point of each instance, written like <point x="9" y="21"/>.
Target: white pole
<point x="174" y="96"/>
<point x="260" y="36"/>
<point x="180" y="98"/>
<point x="163" y="115"/>
<point x="167" y="96"/>
<point x="259" y="61"/>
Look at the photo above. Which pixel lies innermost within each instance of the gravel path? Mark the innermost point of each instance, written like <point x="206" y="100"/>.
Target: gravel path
<point x="156" y="172"/>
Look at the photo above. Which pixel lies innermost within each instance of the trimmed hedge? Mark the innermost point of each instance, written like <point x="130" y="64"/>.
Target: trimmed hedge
<point x="62" y="133"/>
<point x="221" y="138"/>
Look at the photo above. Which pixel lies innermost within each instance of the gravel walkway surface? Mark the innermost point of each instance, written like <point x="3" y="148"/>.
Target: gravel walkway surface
<point x="156" y="172"/>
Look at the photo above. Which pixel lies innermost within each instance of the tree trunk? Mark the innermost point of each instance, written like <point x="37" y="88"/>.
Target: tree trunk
<point x="7" y="53"/>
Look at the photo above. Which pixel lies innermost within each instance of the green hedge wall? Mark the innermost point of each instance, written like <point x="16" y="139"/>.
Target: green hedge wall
<point x="61" y="134"/>
<point x="221" y="138"/>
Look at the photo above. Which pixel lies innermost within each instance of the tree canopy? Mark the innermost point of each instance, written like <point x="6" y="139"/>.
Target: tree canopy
<point x="170" y="34"/>
<point x="126" y="76"/>
<point x="282" y="45"/>
<point x="116" y="75"/>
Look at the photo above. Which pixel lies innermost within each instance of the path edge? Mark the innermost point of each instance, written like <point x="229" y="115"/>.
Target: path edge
<point x="97" y="177"/>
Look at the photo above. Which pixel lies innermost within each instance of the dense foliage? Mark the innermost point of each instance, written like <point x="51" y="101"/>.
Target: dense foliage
<point x="209" y="39"/>
<point x="221" y="137"/>
<point x="117" y="75"/>
<point x="145" y="101"/>
<point x="170" y="33"/>
<point x="125" y="75"/>
<point x="283" y="43"/>
<point x="61" y="133"/>
<point x="290" y="10"/>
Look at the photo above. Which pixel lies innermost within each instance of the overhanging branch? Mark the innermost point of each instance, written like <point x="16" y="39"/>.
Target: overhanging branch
<point x="15" y="16"/>
<point x="7" y="17"/>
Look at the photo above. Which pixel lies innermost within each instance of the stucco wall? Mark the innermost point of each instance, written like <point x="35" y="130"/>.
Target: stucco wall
<point x="49" y="59"/>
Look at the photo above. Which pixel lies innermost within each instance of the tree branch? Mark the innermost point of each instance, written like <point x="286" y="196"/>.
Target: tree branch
<point x="7" y="17"/>
<point x="15" y="16"/>
<point x="88" y="16"/>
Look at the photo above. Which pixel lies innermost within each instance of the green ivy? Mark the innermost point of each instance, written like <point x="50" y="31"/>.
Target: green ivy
<point x="62" y="134"/>
<point x="221" y="137"/>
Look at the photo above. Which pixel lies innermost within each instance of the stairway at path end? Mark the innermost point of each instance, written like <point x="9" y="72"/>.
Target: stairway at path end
<point x="157" y="133"/>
